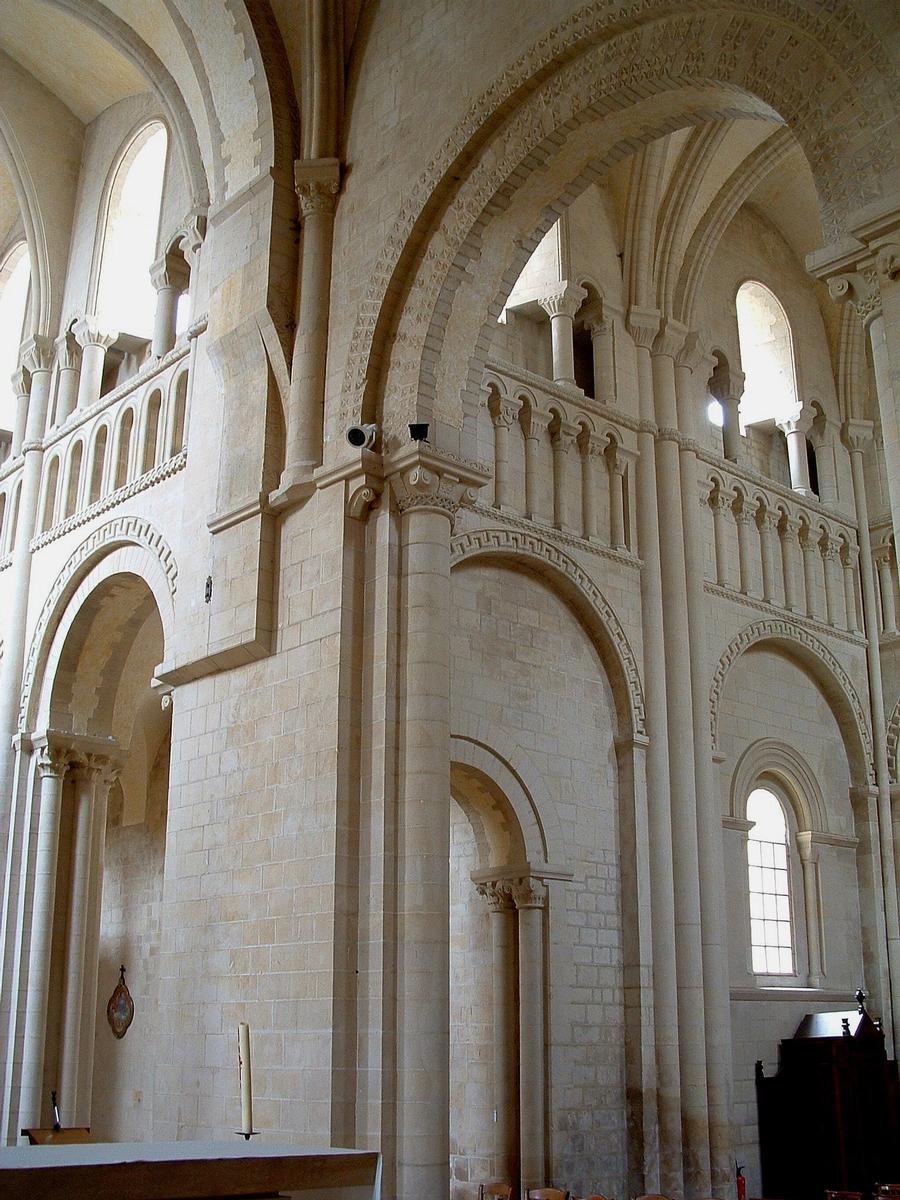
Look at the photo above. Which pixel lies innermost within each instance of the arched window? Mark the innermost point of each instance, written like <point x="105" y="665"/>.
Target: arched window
<point x="50" y="495"/>
<point x="98" y="464"/>
<point x="123" y="448"/>
<point x="767" y="356"/>
<point x="126" y="299"/>
<point x="15" y="276"/>
<point x="771" y="934"/>
<point x="153" y="418"/>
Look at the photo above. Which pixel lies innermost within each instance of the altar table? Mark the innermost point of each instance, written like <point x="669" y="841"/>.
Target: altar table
<point x="186" y="1171"/>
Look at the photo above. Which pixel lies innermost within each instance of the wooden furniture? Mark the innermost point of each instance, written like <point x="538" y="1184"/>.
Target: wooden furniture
<point x="502" y="1191"/>
<point x="829" y="1119"/>
<point x="186" y="1171"/>
<point x="73" y="1136"/>
<point x="546" y="1193"/>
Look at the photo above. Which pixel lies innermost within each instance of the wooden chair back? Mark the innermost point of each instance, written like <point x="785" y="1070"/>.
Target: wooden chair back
<point x="500" y="1191"/>
<point x="546" y="1193"/>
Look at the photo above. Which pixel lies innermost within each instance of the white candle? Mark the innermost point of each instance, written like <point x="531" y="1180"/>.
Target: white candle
<point x="244" y="1068"/>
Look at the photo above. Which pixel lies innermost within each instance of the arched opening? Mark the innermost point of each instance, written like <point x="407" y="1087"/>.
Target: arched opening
<point x="123" y="448"/>
<point x="98" y="464"/>
<point x="108" y="738"/>
<point x="767" y="356"/>
<point x="15" y="278"/>
<point x="126" y="299"/>
<point x="73" y="479"/>
<point x="49" y="505"/>
<point x="179" y="430"/>
<point x="769" y="885"/>
<point x="152" y="429"/>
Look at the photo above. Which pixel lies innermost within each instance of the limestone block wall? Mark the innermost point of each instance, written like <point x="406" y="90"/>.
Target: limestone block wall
<point x="524" y="666"/>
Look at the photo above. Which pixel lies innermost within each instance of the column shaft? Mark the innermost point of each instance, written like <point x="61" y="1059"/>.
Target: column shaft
<point x="79" y="899"/>
<point x="531" y="1046"/>
<point x="665" y="988"/>
<point x="879" y="734"/>
<point x="506" y="1068"/>
<point x="809" y="863"/>
<point x="52" y="770"/>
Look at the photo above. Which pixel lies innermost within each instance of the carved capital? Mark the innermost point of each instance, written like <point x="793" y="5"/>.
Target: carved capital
<point x="643" y="325"/>
<point x="887" y="261"/>
<point x="883" y="556"/>
<point x="363" y="498"/>
<point x="808" y="540"/>
<point x="798" y="422"/>
<point x="503" y="410"/>
<point x="534" y="422"/>
<point x="192" y="233"/>
<point x="857" y="436"/>
<point x="53" y="760"/>
<point x="720" y="501"/>
<point x="89" y="332"/>
<point x="37" y="354"/>
<point x="426" y="480"/>
<point x="692" y="355"/>
<point x="670" y="339"/>
<point x="743" y="513"/>
<point x="66" y="352"/>
<point x="21" y="381"/>
<point x="849" y="555"/>
<point x="563" y="434"/>
<point x="496" y="895"/>
<point x="170" y="271"/>
<point x="807" y="847"/>
<point x="317" y="182"/>
<point x="527" y="892"/>
<point x="788" y="527"/>
<point x="861" y="289"/>
<point x="563" y="301"/>
<point x="830" y="547"/>
<point x="766" y="520"/>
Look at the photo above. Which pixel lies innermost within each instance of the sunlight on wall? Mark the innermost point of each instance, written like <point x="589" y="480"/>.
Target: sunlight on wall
<point x="767" y="356"/>
<point x="15" y="275"/>
<point x="126" y="299"/>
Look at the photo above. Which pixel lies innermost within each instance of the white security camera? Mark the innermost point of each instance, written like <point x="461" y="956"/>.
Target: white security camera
<point x="362" y="437"/>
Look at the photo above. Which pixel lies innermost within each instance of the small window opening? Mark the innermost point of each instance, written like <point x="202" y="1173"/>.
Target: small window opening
<point x="771" y="942"/>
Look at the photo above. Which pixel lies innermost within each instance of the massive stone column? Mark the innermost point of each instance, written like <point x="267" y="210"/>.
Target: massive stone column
<point x="94" y="341"/>
<point x="692" y="370"/>
<point x="316" y="182"/>
<point x="857" y="436"/>
<point x="428" y="490"/>
<point x="643" y="325"/>
<point x="53" y="761"/>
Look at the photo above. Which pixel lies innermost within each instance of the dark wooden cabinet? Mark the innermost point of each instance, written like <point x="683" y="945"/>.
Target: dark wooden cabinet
<point x="828" y="1118"/>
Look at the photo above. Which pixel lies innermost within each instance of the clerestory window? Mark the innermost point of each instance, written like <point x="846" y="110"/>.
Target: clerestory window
<point x="767" y="356"/>
<point x="771" y="933"/>
<point x="126" y="299"/>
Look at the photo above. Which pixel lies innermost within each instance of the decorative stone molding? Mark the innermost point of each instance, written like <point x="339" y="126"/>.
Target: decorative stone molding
<point x="66" y="354"/>
<point x="317" y="182"/>
<point x="643" y="326"/>
<point x="857" y="436"/>
<point x="783" y="631"/>
<point x="52" y="760"/>
<point x="164" y="471"/>
<point x="530" y="547"/>
<point x="769" y="756"/>
<point x="887" y="261"/>
<point x="526" y="891"/>
<point x="123" y="531"/>
<point x="670" y="339"/>
<point x="861" y="289"/>
<point x="496" y="895"/>
<point x="893" y="745"/>
<point x="170" y="270"/>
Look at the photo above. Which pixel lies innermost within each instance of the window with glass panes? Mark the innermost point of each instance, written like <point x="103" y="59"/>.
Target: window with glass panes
<point x="771" y="940"/>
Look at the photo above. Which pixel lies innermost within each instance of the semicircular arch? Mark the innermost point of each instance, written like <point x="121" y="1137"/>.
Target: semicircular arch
<point x="584" y="597"/>
<point x="835" y="683"/>
<point x="127" y="545"/>
<point x="581" y="72"/>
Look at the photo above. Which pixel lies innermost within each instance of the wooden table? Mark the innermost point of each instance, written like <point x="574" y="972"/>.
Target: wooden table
<point x="186" y="1171"/>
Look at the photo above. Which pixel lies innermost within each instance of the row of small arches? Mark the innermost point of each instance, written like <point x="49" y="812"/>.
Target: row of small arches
<point x="141" y="438"/>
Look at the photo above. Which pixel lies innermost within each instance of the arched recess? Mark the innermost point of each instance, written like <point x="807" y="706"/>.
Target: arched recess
<point x="567" y="110"/>
<point x="127" y="544"/>
<point x="585" y="598"/>
<point x="100" y="713"/>
<point x="834" y="681"/>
